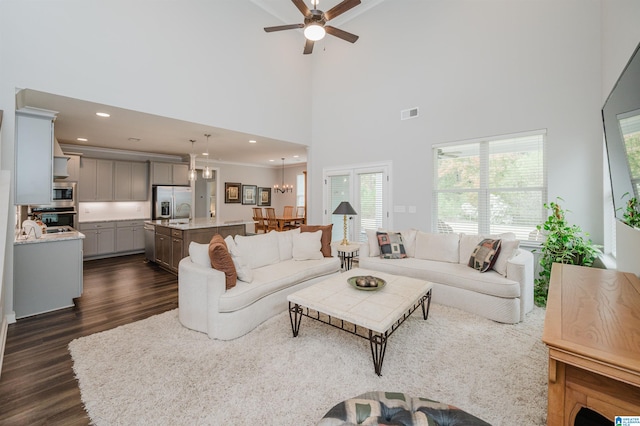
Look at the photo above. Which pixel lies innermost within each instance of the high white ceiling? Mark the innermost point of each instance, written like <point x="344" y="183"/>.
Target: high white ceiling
<point x="140" y="132"/>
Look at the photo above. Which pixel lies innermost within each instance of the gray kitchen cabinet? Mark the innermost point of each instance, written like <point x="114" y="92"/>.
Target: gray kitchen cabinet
<point x="96" y="180"/>
<point x="163" y="246"/>
<point x="47" y="276"/>
<point x="33" y="156"/>
<point x="170" y="174"/>
<point x="100" y="238"/>
<point x="130" y="181"/>
<point x="130" y="236"/>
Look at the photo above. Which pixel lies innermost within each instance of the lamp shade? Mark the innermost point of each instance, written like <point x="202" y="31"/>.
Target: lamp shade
<point x="344" y="208"/>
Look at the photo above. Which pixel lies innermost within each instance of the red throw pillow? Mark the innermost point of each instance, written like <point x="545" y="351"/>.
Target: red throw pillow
<point x="221" y="260"/>
<point x="326" y="236"/>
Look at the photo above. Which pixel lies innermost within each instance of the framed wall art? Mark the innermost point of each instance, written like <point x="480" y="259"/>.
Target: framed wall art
<point x="264" y="196"/>
<point x="249" y="194"/>
<point x="232" y="192"/>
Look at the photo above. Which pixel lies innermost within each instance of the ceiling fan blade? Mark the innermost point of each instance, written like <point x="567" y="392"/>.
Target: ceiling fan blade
<point x="351" y="38"/>
<point x="283" y="27"/>
<point x="302" y="7"/>
<point x="308" y="46"/>
<point x="340" y="8"/>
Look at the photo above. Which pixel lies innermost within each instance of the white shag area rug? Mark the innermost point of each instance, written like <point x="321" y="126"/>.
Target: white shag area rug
<point x="157" y="372"/>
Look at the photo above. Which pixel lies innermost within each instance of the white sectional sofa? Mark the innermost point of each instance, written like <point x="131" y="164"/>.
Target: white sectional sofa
<point x="503" y="294"/>
<point x="269" y="268"/>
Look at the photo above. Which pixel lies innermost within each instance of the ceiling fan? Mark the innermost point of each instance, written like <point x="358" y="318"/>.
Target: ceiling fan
<point x="448" y="154"/>
<point x="315" y="20"/>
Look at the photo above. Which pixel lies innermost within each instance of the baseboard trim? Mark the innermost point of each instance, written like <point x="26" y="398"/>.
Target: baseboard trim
<point x="3" y="340"/>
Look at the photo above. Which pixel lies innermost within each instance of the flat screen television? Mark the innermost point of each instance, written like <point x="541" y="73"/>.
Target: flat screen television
<point x="621" y="120"/>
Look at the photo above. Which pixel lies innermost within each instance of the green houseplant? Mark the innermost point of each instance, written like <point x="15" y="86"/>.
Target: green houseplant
<point x="631" y="215"/>
<point x="563" y="243"/>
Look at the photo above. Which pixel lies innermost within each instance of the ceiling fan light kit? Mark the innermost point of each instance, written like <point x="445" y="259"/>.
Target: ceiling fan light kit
<point x="315" y="21"/>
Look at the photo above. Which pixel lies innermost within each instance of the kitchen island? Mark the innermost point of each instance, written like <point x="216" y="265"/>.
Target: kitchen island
<point x="47" y="272"/>
<point x="172" y="237"/>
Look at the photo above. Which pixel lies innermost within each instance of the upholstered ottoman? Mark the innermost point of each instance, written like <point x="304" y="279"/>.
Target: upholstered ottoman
<point x="392" y="408"/>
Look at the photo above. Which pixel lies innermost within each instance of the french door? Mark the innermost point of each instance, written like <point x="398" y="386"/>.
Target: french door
<point x="366" y="188"/>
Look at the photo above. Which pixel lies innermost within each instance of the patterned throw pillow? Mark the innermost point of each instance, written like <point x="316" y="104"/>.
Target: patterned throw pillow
<point x="485" y="255"/>
<point x="391" y="245"/>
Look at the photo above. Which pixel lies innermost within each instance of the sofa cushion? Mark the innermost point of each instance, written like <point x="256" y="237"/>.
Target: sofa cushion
<point x="244" y="272"/>
<point x="468" y="243"/>
<point x="258" y="250"/>
<point x="272" y="278"/>
<point x="485" y="254"/>
<point x="372" y="239"/>
<point x="451" y="274"/>
<point x="409" y="239"/>
<point x="508" y="249"/>
<point x="285" y="243"/>
<point x="442" y="247"/>
<point x="326" y="236"/>
<point x="307" y="246"/>
<point x="221" y="260"/>
<point x="391" y="245"/>
<point x="199" y="254"/>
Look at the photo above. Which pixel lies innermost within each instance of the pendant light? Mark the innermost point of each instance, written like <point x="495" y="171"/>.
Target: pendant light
<point x="207" y="173"/>
<point x="284" y="188"/>
<point x="193" y="173"/>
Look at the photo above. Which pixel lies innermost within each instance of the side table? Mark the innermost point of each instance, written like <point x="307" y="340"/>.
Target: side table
<point x="346" y="253"/>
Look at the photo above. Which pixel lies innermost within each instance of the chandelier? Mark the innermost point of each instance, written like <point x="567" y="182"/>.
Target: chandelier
<point x="283" y="188"/>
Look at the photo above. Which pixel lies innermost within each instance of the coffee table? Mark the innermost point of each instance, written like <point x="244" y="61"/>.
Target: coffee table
<point x="373" y="315"/>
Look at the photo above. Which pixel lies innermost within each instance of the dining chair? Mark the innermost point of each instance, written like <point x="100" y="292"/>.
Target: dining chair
<point x="300" y="214"/>
<point x="259" y="219"/>
<point x="288" y="213"/>
<point x="272" y="222"/>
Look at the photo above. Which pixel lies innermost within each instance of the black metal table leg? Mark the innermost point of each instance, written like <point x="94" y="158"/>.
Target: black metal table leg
<point x="425" y="313"/>
<point x="295" y="316"/>
<point x="378" y="344"/>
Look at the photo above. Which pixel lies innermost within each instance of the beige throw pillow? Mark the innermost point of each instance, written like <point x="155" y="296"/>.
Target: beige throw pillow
<point x="440" y="247"/>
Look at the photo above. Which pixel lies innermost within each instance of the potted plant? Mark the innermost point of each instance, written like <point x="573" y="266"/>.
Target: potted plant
<point x="631" y="215"/>
<point x="563" y="243"/>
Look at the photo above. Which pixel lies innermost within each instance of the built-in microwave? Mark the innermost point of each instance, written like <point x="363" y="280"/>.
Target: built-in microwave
<point x="64" y="194"/>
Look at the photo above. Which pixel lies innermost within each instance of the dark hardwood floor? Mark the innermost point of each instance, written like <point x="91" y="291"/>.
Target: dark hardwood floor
<point x="37" y="385"/>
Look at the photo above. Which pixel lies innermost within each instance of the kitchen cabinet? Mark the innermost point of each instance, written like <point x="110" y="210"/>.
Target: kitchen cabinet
<point x="47" y="275"/>
<point x="170" y="174"/>
<point x="131" y="182"/>
<point x="163" y="246"/>
<point x="129" y="236"/>
<point x="100" y="238"/>
<point x="96" y="180"/>
<point x="177" y="249"/>
<point x="33" y="156"/>
<point x="172" y="243"/>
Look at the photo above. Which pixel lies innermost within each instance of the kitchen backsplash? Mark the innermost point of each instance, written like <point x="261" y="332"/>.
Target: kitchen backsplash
<point x="119" y="210"/>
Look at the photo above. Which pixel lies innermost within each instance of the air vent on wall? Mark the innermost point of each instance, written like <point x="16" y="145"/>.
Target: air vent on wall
<point x="408" y="113"/>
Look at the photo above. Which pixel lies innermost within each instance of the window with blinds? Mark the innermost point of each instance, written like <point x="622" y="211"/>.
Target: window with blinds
<point x="630" y="131"/>
<point x="490" y="186"/>
<point x="371" y="202"/>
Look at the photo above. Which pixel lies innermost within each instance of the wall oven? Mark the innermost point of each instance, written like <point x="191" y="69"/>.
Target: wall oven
<point x="63" y="208"/>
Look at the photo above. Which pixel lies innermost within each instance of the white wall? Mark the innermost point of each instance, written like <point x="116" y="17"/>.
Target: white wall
<point x="474" y="69"/>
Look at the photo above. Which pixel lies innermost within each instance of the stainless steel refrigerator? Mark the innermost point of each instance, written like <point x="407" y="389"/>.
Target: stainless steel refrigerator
<point x="172" y="202"/>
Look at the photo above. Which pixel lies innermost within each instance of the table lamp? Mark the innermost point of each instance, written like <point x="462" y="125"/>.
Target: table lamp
<point x="344" y="208"/>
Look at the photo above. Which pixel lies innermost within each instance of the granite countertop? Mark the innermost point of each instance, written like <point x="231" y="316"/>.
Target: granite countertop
<point x="198" y="223"/>
<point x="20" y="238"/>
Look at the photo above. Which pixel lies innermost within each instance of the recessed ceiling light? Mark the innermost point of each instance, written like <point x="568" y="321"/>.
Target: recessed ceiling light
<point x="252" y="141"/>
<point x="205" y="153"/>
<point x="103" y="114"/>
<point x="82" y="139"/>
<point x="296" y="156"/>
<point x="272" y="160"/>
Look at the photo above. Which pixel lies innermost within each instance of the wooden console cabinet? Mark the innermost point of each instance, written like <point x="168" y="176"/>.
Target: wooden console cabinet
<point x="592" y="330"/>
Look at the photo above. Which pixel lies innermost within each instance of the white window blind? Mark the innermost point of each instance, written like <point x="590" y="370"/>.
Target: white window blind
<point x="300" y="190"/>
<point x="491" y="185"/>
<point x="371" y="202"/>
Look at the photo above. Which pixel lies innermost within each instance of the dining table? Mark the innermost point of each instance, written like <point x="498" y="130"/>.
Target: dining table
<point x="289" y="222"/>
